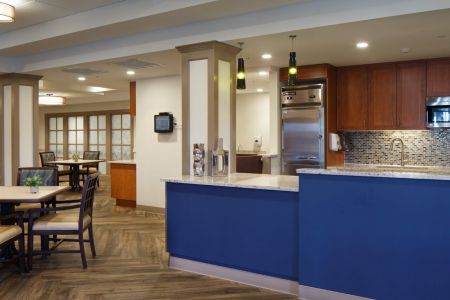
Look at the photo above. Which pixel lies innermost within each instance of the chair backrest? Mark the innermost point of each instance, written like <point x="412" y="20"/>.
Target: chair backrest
<point x="87" y="196"/>
<point x="48" y="175"/>
<point x="46" y="157"/>
<point x="92" y="155"/>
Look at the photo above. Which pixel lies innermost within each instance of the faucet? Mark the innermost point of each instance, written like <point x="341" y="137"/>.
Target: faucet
<point x="402" y="162"/>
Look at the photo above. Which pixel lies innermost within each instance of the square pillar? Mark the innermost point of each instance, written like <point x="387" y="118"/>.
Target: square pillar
<point x="208" y="99"/>
<point x="19" y="125"/>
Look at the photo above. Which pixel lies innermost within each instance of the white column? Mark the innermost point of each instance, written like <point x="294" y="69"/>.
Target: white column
<point x="224" y="105"/>
<point x="198" y="106"/>
<point x="26" y="123"/>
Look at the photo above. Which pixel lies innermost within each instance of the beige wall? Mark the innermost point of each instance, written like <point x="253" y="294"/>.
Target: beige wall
<point x="253" y="119"/>
<point x="99" y="106"/>
<point x="157" y="155"/>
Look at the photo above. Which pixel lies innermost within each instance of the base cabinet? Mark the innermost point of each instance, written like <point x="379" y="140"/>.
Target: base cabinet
<point x="123" y="184"/>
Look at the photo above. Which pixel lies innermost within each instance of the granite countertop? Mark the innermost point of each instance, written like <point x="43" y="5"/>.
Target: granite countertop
<point x="243" y="180"/>
<point x="123" y="162"/>
<point x="263" y="154"/>
<point x="388" y="171"/>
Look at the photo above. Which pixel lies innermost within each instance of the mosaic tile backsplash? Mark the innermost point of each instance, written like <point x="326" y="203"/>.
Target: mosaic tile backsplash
<point x="422" y="147"/>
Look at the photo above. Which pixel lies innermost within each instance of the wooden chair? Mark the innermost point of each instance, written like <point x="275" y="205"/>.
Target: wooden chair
<point x="50" y="156"/>
<point x="9" y="234"/>
<point x="56" y="222"/>
<point x="91" y="168"/>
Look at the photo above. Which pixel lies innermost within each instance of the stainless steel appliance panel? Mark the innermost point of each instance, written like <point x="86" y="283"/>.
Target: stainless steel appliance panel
<point x="302" y="139"/>
<point x="438" y="112"/>
<point x="304" y="95"/>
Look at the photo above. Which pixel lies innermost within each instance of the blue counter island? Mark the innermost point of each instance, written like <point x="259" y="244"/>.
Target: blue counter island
<point x="328" y="234"/>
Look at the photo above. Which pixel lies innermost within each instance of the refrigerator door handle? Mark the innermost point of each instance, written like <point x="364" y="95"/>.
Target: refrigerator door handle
<point x="306" y="157"/>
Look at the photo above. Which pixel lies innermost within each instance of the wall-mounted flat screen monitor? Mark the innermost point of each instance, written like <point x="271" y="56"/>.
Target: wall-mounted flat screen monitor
<point x="163" y="122"/>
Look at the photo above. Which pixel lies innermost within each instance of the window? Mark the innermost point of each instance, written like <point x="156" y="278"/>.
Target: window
<point x="97" y="137"/>
<point x="76" y="135"/>
<point x="121" y="142"/>
<point x="55" y="136"/>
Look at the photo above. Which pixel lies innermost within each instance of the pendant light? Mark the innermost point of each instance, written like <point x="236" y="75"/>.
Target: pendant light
<point x="240" y="84"/>
<point x="292" y="76"/>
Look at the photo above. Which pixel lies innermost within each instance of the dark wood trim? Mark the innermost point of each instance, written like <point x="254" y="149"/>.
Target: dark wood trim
<point x="126" y="203"/>
<point x="15" y="131"/>
<point x="2" y="142"/>
<point x="133" y="98"/>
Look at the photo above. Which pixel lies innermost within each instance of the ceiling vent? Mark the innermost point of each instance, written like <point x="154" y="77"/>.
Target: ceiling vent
<point x="83" y="71"/>
<point x="133" y="63"/>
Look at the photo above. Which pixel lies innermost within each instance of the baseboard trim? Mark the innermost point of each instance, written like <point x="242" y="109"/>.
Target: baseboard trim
<point x="262" y="281"/>
<point x="258" y="280"/>
<point x="311" y="293"/>
<point x="153" y="209"/>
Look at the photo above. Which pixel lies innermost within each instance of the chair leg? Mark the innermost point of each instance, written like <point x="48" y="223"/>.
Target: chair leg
<point x="83" y="254"/>
<point x="30" y="248"/>
<point x="45" y="245"/>
<point x="91" y="240"/>
<point x="22" y="253"/>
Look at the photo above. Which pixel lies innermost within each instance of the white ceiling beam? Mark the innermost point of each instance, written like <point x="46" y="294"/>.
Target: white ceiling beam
<point x="287" y="18"/>
<point x="98" y="17"/>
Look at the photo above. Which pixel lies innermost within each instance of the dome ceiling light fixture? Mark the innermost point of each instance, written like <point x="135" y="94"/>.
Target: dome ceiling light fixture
<point x="49" y="99"/>
<point x="7" y="13"/>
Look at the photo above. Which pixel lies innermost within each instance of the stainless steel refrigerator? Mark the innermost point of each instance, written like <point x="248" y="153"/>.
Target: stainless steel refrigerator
<point x="302" y="123"/>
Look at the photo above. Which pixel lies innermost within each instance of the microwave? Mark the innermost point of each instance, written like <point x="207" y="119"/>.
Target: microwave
<point x="438" y="112"/>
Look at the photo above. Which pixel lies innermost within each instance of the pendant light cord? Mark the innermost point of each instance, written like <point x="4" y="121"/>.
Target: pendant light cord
<point x="292" y="41"/>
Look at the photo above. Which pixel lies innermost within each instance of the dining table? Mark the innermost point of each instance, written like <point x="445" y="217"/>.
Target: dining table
<point x="75" y="167"/>
<point x="10" y="196"/>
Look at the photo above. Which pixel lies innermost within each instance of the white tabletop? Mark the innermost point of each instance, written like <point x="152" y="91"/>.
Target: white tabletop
<point x="22" y="194"/>
<point x="68" y="162"/>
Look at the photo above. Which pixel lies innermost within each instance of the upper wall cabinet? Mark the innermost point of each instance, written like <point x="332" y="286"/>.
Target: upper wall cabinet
<point x="382" y="96"/>
<point x="411" y="86"/>
<point x="319" y="71"/>
<point x="438" y="77"/>
<point x="389" y="95"/>
<point x="352" y="98"/>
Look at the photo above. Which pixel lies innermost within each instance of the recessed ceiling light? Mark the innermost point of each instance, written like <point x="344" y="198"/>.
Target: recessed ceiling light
<point x="266" y="56"/>
<point x="362" y="45"/>
<point x="131" y="72"/>
<point x="259" y="90"/>
<point x="263" y="73"/>
<point x="81" y="78"/>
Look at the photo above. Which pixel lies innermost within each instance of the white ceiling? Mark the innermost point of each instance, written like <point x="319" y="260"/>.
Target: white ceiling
<point x="121" y="20"/>
<point x="330" y="44"/>
<point x="426" y="34"/>
<point x="32" y="12"/>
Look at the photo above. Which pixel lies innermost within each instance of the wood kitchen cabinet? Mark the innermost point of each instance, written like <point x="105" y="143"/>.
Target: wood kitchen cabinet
<point x="352" y="98"/>
<point x="382" y="94"/>
<point x="438" y="77"/>
<point x="411" y="89"/>
<point x="123" y="182"/>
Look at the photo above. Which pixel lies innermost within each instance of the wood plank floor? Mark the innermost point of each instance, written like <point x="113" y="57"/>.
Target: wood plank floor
<point x="131" y="263"/>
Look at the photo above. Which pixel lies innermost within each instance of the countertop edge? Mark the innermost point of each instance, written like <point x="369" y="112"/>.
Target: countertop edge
<point x="378" y="174"/>
<point x="236" y="185"/>
<point x="122" y="162"/>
